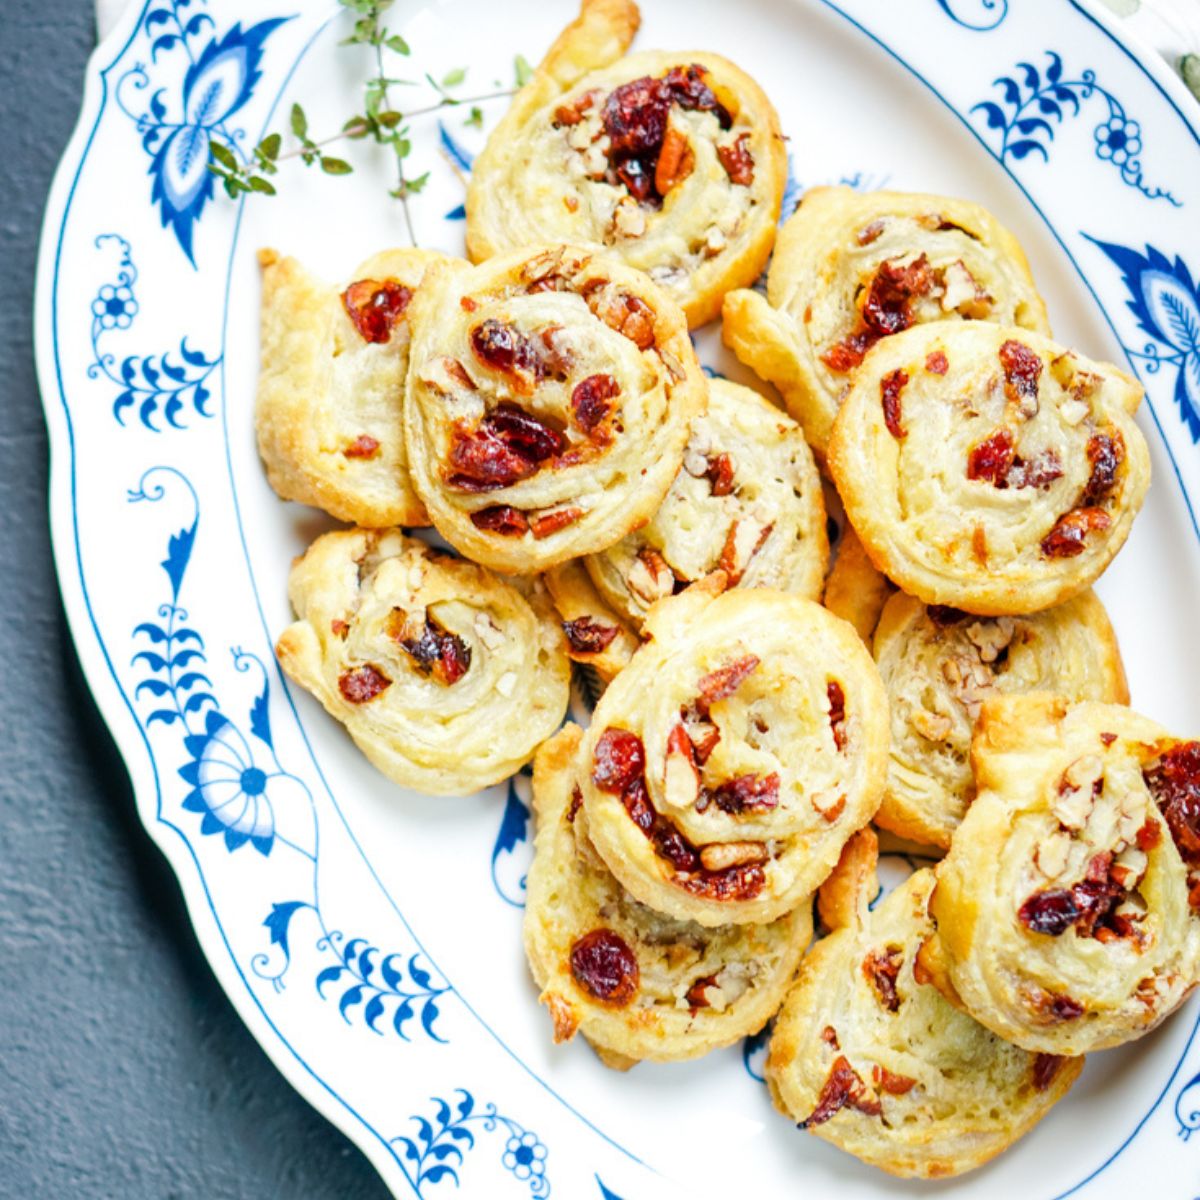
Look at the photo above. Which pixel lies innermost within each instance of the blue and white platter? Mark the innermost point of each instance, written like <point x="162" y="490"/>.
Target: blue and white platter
<point x="370" y="938"/>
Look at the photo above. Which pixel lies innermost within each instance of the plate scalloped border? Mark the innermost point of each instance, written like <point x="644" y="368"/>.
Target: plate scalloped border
<point x="403" y="989"/>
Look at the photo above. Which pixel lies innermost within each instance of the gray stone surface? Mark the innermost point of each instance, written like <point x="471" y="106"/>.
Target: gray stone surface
<point x="124" y="1072"/>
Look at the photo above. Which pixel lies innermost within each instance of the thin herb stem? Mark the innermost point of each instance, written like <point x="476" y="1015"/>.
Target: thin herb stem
<point x="403" y="185"/>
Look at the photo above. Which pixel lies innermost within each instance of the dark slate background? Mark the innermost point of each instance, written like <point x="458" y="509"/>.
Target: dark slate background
<point x="124" y="1072"/>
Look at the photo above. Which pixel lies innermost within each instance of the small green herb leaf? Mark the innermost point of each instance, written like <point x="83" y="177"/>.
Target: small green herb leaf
<point x="299" y="121"/>
<point x="455" y="77"/>
<point x="335" y="166"/>
<point x="522" y="70"/>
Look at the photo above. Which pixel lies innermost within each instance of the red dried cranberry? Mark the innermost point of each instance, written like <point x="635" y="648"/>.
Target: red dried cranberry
<point x="363" y="446"/>
<point x="943" y="615"/>
<point x="375" y="306"/>
<point x="881" y="969"/>
<point x="720" y="475"/>
<point x="746" y="793"/>
<point x="742" y="882"/>
<point x="363" y="684"/>
<point x="1022" y="369"/>
<point x="439" y="653"/>
<point x="843" y="1087"/>
<point x="1069" y="535"/>
<point x="890" y="387"/>
<point x="1038" y="472"/>
<point x="937" y="363"/>
<point x="619" y="759"/>
<point x="587" y="636"/>
<point x="505" y="349"/>
<point x="590" y="400"/>
<point x="502" y="519"/>
<point x="1175" y="785"/>
<point x="689" y="90"/>
<point x="635" y="117"/>
<point x="888" y="306"/>
<point x="894" y="1085"/>
<point x="1045" y="1068"/>
<point x="1052" y="912"/>
<point x="528" y="435"/>
<point x="605" y="967"/>
<point x="695" y="996"/>
<point x="1106" y="452"/>
<point x="847" y="354"/>
<point x="992" y="459"/>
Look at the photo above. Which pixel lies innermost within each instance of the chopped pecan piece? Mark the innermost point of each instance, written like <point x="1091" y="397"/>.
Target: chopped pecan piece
<point x="374" y="306"/>
<point x="675" y="161"/>
<point x="724" y="681"/>
<point x="843" y="1088"/>
<point x="737" y="161"/>
<point x="837" y="712"/>
<point x="720" y="475"/>
<point x="1069" y="535"/>
<point x="628" y="315"/>
<point x="362" y="684"/>
<point x="588" y="636"/>
<point x="723" y="856"/>
<point x="890" y="387"/>
<point x="546" y="523"/>
<point x="605" y="967"/>
<point x="363" y="446"/>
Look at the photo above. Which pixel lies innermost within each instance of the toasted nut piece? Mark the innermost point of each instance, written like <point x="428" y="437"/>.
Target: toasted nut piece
<point x="720" y="856"/>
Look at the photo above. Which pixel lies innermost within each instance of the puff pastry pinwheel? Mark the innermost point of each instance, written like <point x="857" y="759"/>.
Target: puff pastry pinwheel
<point x="989" y="468"/>
<point x="728" y="764"/>
<point x="636" y="983"/>
<point x="673" y="161"/>
<point x="939" y="665"/>
<point x="446" y="677"/>
<point x="331" y="388"/>
<point x="747" y="502"/>
<point x="855" y="590"/>
<point x="550" y="394"/>
<point x="869" y="1056"/>
<point x="1066" y="908"/>
<point x="596" y="635"/>
<point x="851" y="268"/>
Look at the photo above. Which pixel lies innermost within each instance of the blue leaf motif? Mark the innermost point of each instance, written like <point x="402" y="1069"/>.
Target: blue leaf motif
<point x="430" y="1013"/>
<point x="1033" y="124"/>
<point x="157" y="16"/>
<point x="1025" y="147"/>
<point x="155" y="662"/>
<point x="606" y="1193"/>
<point x="179" y="552"/>
<point x="222" y="79"/>
<point x="1033" y="80"/>
<point x="1050" y="108"/>
<point x="993" y="114"/>
<point x="260" y="716"/>
<point x="373" y="1012"/>
<point x="280" y="918"/>
<point x="329" y="975"/>
<point x="1012" y="93"/>
<point x="1054" y="70"/>
<point x="162" y="43"/>
<point x="463" y="158"/>
<point x="153" y="632"/>
<point x="155" y="687"/>
<point x="165" y="715"/>
<point x="1173" y="310"/>
<point x="352" y="996"/>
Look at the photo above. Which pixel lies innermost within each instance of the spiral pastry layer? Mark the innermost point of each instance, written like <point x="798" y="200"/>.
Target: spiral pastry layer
<point x="445" y="676"/>
<point x="988" y="468"/>
<point x="728" y="764"/>
<point x="672" y="161"/>
<point x="550" y="395"/>
<point x="1066" y="909"/>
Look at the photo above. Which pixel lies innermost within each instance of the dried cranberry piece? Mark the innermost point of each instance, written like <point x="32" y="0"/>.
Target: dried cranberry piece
<point x="888" y="306"/>
<point x="439" y="653"/>
<point x="635" y="117"/>
<point x="1106" y="452"/>
<point x="1069" y="535"/>
<point x="1175" y="785"/>
<point x="724" y="681"/>
<point x="843" y="1087"/>
<point x="720" y="475"/>
<point x="505" y="349"/>
<point x="587" y="636"/>
<point x="695" y="994"/>
<point x="1045" y="1068"/>
<point x="1063" y="1008"/>
<point x="881" y="969"/>
<point x="747" y="793"/>
<point x="590" y="400"/>
<point x="363" y="684"/>
<point x="837" y="712"/>
<point x="847" y="354"/>
<point x="374" y="307"/>
<point x="742" y="882"/>
<point x="482" y="462"/>
<point x="1052" y="911"/>
<point x="673" y="846"/>
<point x="1022" y="370"/>
<point x="521" y="431"/>
<point x="890" y="387"/>
<point x="637" y="178"/>
<point x="605" y="967"/>
<point x="502" y="519"/>
<point x="737" y="161"/>
<point x="894" y="1085"/>
<point x="1038" y="472"/>
<point x="943" y="615"/>
<point x="992" y="459"/>
<point x="619" y="759"/>
<point x="689" y="90"/>
<point x="363" y="446"/>
<point x="1096" y="895"/>
<point x="1150" y="834"/>
<point x="937" y="363"/>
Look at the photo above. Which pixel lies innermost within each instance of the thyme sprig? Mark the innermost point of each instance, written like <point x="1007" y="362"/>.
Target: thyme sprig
<point x="378" y="120"/>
